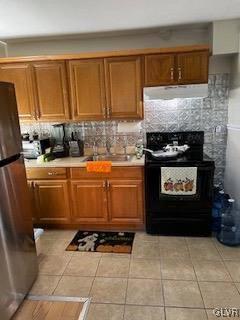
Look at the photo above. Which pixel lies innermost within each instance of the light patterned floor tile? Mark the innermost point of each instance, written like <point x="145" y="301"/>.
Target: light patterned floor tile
<point x="177" y="269"/>
<point x="219" y="294"/>
<point x="207" y="270"/>
<point x="185" y="314"/>
<point x="105" y="312"/>
<point x="113" y="267"/>
<point x="109" y="290"/>
<point x="144" y="292"/>
<point x="74" y="286"/>
<point x="82" y="266"/>
<point x="145" y="268"/>
<point x="182" y="294"/>
<point x="45" y="285"/>
<point x="143" y="313"/>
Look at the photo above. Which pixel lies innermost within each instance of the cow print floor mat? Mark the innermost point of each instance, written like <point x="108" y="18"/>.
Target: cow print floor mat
<point x="95" y="241"/>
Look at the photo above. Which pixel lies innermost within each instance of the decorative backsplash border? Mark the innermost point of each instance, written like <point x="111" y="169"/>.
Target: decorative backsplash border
<point x="208" y="114"/>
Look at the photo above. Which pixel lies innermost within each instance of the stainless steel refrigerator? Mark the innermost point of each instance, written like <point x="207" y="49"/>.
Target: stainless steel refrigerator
<point x="18" y="260"/>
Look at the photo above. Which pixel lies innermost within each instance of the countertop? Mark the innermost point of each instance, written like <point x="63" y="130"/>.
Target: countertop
<point x="79" y="162"/>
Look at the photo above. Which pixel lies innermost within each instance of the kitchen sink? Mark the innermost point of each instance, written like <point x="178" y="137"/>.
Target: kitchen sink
<point x="114" y="158"/>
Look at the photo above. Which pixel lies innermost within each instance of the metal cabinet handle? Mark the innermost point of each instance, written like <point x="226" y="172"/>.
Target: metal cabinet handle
<point x="105" y="184"/>
<point x="108" y="184"/>
<point x="171" y="73"/>
<point x="38" y="113"/>
<point x="108" y="112"/>
<point x="179" y="73"/>
<point x="53" y="173"/>
<point x="104" y="111"/>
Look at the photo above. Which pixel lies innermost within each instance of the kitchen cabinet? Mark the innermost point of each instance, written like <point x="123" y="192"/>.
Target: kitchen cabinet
<point x="20" y="75"/>
<point x="124" y="87"/>
<point x="32" y="200"/>
<point x="87" y="89"/>
<point x="52" y="201"/>
<point x="125" y="202"/>
<point x="112" y="199"/>
<point x="159" y="69"/>
<point x="76" y="198"/>
<point x="176" y="68"/>
<point x="41" y="89"/>
<point x="89" y="201"/>
<point x="192" y="67"/>
<point x="50" y="90"/>
<point x="99" y="85"/>
<point x="106" y="88"/>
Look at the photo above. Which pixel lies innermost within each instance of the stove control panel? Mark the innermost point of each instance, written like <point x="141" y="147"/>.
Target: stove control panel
<point x="157" y="140"/>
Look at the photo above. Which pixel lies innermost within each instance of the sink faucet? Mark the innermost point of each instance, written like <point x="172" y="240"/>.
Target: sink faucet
<point x="108" y="147"/>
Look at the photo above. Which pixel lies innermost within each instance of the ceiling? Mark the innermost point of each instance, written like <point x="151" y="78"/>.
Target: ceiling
<point x="43" y="18"/>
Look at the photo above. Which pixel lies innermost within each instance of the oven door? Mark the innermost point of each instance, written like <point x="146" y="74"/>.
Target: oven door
<point x="156" y="200"/>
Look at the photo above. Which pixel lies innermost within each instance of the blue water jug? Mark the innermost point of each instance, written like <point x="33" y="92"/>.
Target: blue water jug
<point x="219" y="204"/>
<point x="229" y="233"/>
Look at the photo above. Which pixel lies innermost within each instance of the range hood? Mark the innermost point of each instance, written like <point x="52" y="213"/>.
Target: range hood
<point x="172" y="92"/>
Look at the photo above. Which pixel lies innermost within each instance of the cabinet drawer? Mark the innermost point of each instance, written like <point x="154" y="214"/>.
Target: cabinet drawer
<point x="46" y="173"/>
<point x="117" y="172"/>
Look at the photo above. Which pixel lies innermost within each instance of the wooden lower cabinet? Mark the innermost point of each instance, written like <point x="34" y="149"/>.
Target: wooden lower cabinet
<point x="32" y="200"/>
<point x="125" y="201"/>
<point x="52" y="201"/>
<point x="89" y="201"/>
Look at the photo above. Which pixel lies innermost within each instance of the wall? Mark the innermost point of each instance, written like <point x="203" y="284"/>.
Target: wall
<point x="232" y="176"/>
<point x="164" y="115"/>
<point x="225" y="36"/>
<point x="3" y="49"/>
<point x="148" y="39"/>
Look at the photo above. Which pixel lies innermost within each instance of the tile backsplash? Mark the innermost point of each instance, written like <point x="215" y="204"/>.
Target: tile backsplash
<point x="208" y="114"/>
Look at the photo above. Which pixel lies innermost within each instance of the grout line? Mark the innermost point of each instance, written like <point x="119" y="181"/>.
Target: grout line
<point x="188" y="247"/>
<point x="224" y="263"/>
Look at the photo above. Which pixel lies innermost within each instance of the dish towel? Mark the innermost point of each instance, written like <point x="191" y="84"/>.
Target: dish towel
<point x="179" y="180"/>
<point x="99" y="166"/>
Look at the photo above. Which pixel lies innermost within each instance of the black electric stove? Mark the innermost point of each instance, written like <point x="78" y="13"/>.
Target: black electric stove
<point x="178" y="214"/>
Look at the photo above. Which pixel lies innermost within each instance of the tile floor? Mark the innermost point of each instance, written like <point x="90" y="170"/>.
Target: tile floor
<point x="165" y="278"/>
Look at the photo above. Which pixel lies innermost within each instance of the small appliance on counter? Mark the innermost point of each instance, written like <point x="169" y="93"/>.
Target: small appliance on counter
<point x="61" y="147"/>
<point x="76" y="146"/>
<point x="34" y="148"/>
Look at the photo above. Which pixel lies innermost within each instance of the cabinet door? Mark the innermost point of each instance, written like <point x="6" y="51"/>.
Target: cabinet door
<point x="89" y="201"/>
<point x="87" y="89"/>
<point x="125" y="201"/>
<point x="159" y="69"/>
<point x="192" y="67"/>
<point x="52" y="201"/>
<point x="31" y="195"/>
<point x="20" y="75"/>
<point x="124" y="87"/>
<point x="50" y="88"/>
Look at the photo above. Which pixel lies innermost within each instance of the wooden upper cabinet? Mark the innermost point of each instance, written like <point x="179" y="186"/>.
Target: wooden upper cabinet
<point x="50" y="88"/>
<point x="89" y="201"/>
<point x="125" y="201"/>
<point x="20" y="75"/>
<point x="52" y="201"/>
<point x="159" y="69"/>
<point x="124" y="87"/>
<point x="176" y="68"/>
<point x="192" y="67"/>
<point x="87" y="89"/>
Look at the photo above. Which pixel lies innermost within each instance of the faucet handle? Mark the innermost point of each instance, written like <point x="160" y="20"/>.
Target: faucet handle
<point x="95" y="148"/>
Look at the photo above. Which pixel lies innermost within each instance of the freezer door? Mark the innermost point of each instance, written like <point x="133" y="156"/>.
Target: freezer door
<point x="10" y="137"/>
<point x="18" y="267"/>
